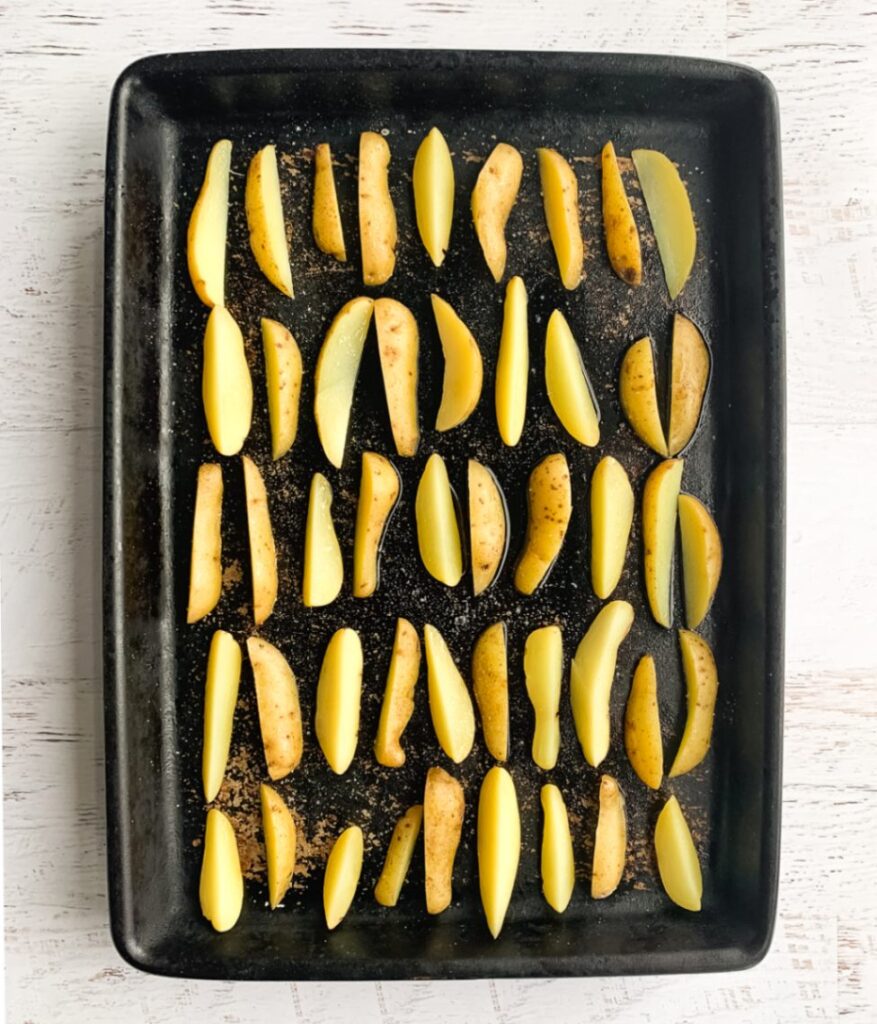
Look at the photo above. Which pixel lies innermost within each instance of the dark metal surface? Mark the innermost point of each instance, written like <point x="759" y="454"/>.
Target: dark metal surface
<point x="719" y="123"/>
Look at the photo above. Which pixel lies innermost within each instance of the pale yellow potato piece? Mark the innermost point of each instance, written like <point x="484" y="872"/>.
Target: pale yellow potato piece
<point x="493" y="197"/>
<point x="543" y="675"/>
<point x="678" y="864"/>
<point x="433" y="180"/>
<point x="701" y="558"/>
<point x="560" y="196"/>
<point x="443" y="806"/>
<point x="377" y="217"/>
<point x="335" y="375"/>
<point x="343" y="869"/>
<point x="639" y="395"/>
<point x="399" y="347"/>
<point x="379" y="487"/>
<point x="642" y="725"/>
<point x="399" y="854"/>
<point x="450" y="705"/>
<point x="670" y="213"/>
<point x="513" y="364"/>
<point x="208" y="228"/>
<point x="281" y="836"/>
<point x="610" y="840"/>
<point x="558" y="863"/>
<point x="549" y="503"/>
<point x="221" y="889"/>
<point x="264" y="207"/>
<point x="499" y="845"/>
<point x="464" y="369"/>
<point x="220" y="699"/>
<point x="702" y="686"/>
<point x="612" y="505"/>
<point x="660" y="501"/>
<point x="622" y="237"/>
<point x="490" y="681"/>
<point x="567" y="383"/>
<point x="279" y="709"/>
<point x="205" y="574"/>
<point x="283" y="373"/>
<point x="339" y="690"/>
<point x="226" y="386"/>
<point x="326" y="222"/>
<point x="438" y="533"/>
<point x="689" y="375"/>
<point x="398" y="705"/>
<point x="263" y="554"/>
<point x="591" y="675"/>
<point x="323" y="565"/>
<point x="488" y="526"/>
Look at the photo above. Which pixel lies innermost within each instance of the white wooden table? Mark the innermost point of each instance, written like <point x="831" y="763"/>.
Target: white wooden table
<point x="58" y="60"/>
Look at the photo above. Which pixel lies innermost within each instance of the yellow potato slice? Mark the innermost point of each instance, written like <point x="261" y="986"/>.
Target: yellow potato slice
<point x="549" y="503"/>
<point x="220" y="699"/>
<point x="264" y="207"/>
<point x="622" y="237"/>
<point x="377" y="217"/>
<point x="560" y="196"/>
<point x="488" y="526"/>
<point x="323" y="565"/>
<point x="464" y="370"/>
<point x="660" y="500"/>
<point x="610" y="841"/>
<point x="399" y="854"/>
<point x="701" y="558"/>
<point x="450" y="705"/>
<point x="433" y="180"/>
<point x="493" y="197"/>
<point x="339" y="690"/>
<point x="558" y="863"/>
<point x="543" y="674"/>
<point x="567" y="383"/>
<point x="283" y="372"/>
<point x="438" y="534"/>
<point x="398" y="347"/>
<point x="499" y="845"/>
<point x="379" y="488"/>
<point x="702" y="686"/>
<point x="263" y="555"/>
<point x="281" y="836"/>
<point x="398" y="705"/>
<point x="205" y="574"/>
<point x="343" y="869"/>
<point x="612" y="505"/>
<point x="490" y="681"/>
<point x="279" y="709"/>
<point x="513" y="364"/>
<point x="639" y="395"/>
<point x="221" y="889"/>
<point x="642" y="725"/>
<point x="208" y="227"/>
<point x="226" y="387"/>
<point x="678" y="864"/>
<point x="326" y="222"/>
<point x="689" y="375"/>
<point x="443" y="806"/>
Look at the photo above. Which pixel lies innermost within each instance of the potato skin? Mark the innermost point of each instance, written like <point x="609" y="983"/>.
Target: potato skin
<point x="398" y="704"/>
<point x="642" y="725"/>
<point x="205" y="576"/>
<point x="488" y="526"/>
<point x="377" y="216"/>
<point x="490" y="681"/>
<point x="689" y="376"/>
<point x="638" y="393"/>
<point x="622" y="237"/>
<point x="493" y="197"/>
<point x="443" y="806"/>
<point x="549" y="502"/>
<point x="610" y="841"/>
<point x="326" y="223"/>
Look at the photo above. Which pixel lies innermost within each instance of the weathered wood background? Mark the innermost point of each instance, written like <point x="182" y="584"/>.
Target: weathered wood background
<point x="58" y="60"/>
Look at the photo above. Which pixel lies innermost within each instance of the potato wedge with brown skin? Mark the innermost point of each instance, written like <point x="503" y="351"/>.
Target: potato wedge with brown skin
<point x="678" y="863"/>
<point x="398" y="705"/>
<point x="205" y="574"/>
<point x="283" y="373"/>
<point x="279" y="708"/>
<point x="206" y="237"/>
<point x="221" y="887"/>
<point x="702" y="686"/>
<point x="701" y="558"/>
<point x="379" y="488"/>
<point x="326" y="222"/>
<point x="226" y="385"/>
<point x="642" y="725"/>
<point x="377" y="216"/>
<point x="560" y="196"/>
<point x="638" y="393"/>
<point x="493" y="197"/>
<point x="543" y="676"/>
<point x="443" y="807"/>
<point x="278" y="827"/>
<point x="490" y="680"/>
<point x="399" y="854"/>
<point x="689" y="376"/>
<point x="622" y="237"/>
<point x="399" y="347"/>
<point x="264" y="208"/>
<point x="660" y="502"/>
<point x="488" y="526"/>
<point x="549" y="503"/>
<point x="263" y="555"/>
<point x="612" y="508"/>
<point x="610" y="841"/>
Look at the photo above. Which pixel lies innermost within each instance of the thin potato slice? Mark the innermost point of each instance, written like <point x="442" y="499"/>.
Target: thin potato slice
<point x="433" y="180"/>
<point x="560" y="194"/>
<point x="283" y="373"/>
<point x="443" y="806"/>
<point x="642" y="725"/>
<point x="280" y="834"/>
<point x="379" y="489"/>
<point x="488" y="526"/>
<point x="638" y="393"/>
<point x="399" y="854"/>
<point x="205" y="575"/>
<point x="701" y="558"/>
<point x="490" y="681"/>
<point x="264" y="207"/>
<point x="399" y="347"/>
<point x="566" y="381"/>
<point x="279" y="709"/>
<point x="208" y="227"/>
<point x="660" y="501"/>
<point x="610" y="841"/>
<point x="513" y="364"/>
<point x="323" y="565"/>
<point x="558" y="863"/>
<point x="549" y="503"/>
<point x="221" y="888"/>
<point x="343" y="869"/>
<point x="220" y="700"/>
<point x="678" y="864"/>
<point x="499" y="845"/>
<point x="326" y="222"/>
<point x="689" y="375"/>
<point x="464" y="369"/>
<point x="377" y="217"/>
<point x="622" y="237"/>
<point x="226" y="386"/>
<point x="398" y="705"/>
<point x="263" y="554"/>
<point x="493" y="197"/>
<point x="450" y="705"/>
<point x="702" y="685"/>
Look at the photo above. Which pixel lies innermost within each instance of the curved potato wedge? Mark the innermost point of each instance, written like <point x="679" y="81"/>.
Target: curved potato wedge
<point x="220" y="700"/>
<point x="622" y="237"/>
<point x="205" y="574"/>
<point x="660" y="501"/>
<point x="379" y="488"/>
<point x="513" y="364"/>
<point x="438" y="534"/>
<point x="678" y="864"/>
<point x="264" y="208"/>
<point x="567" y="383"/>
<point x="499" y="845"/>
<point x="642" y="725"/>
<point x="612" y="505"/>
<point x="263" y="554"/>
<point x="450" y="706"/>
<point x="560" y="196"/>
<point x="377" y="217"/>
<point x="279" y="709"/>
<point x="701" y="558"/>
<point x="443" y="806"/>
<point x="689" y="375"/>
<point x="638" y="393"/>
<point x="702" y="686"/>
<point x="399" y="854"/>
<point x="339" y="690"/>
<point x="433" y="180"/>
<point x="326" y="220"/>
<point x="283" y="373"/>
<point x="488" y="526"/>
<point x="490" y="681"/>
<point x="280" y="834"/>
<point x="464" y="369"/>
<point x="610" y="841"/>
<point x="558" y="862"/>
<point x="399" y="347"/>
<point x="343" y="869"/>
<point x="398" y="705"/>
<point x="323" y="566"/>
<point x="493" y="197"/>
<point x="221" y="888"/>
<point x="549" y="504"/>
<point x="543" y="677"/>
<point x="226" y="386"/>
<point x="208" y="227"/>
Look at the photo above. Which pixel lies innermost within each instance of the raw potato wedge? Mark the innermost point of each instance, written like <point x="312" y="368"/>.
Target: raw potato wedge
<point x="499" y="845"/>
<point x="377" y="217"/>
<point x="488" y="526"/>
<point x="490" y="681"/>
<point x="280" y="834"/>
<point x="326" y="223"/>
<point x="450" y="705"/>
<point x="660" y="500"/>
<point x="433" y="180"/>
<point x="670" y="213"/>
<point x="208" y="228"/>
<point x="558" y="863"/>
<point x="221" y="889"/>
<point x="591" y="675"/>
<point x="379" y="487"/>
<point x="263" y="554"/>
<point x="398" y="705"/>
<point x="268" y="238"/>
<point x="323" y="565"/>
<point x="493" y="197"/>
<point x="438" y="534"/>
<point x="399" y="854"/>
<point x="560" y="196"/>
<point x="689" y="375"/>
<point x="220" y="699"/>
<point x="205" y="574"/>
<point x="678" y="864"/>
<point x="226" y="386"/>
<point x="702" y="686"/>
<point x="622" y="237"/>
<point x="612" y="505"/>
<point x="336" y="373"/>
<point x="464" y="369"/>
<point x="513" y="364"/>
<point x="279" y="708"/>
<point x="543" y="673"/>
<point x="642" y="725"/>
<point x="339" y="690"/>
<point x="443" y="806"/>
<point x="343" y="869"/>
<point x="283" y="374"/>
<point x="701" y="558"/>
<point x="639" y="395"/>
<point x="398" y="347"/>
<point x="549" y="504"/>
<point x="610" y="841"/>
<point x="566" y="381"/>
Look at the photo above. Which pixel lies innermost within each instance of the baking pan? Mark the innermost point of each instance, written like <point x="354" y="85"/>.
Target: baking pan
<point x="719" y="123"/>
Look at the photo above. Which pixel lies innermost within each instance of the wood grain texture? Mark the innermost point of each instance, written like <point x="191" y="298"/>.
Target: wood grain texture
<point x="57" y="64"/>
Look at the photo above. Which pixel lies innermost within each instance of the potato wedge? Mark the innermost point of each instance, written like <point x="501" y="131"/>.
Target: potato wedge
<point x="263" y="554"/>
<point x="443" y="807"/>
<point x="398" y="705"/>
<point x="702" y="686"/>
<point x="689" y="375"/>
<point x="326" y="221"/>
<point x="678" y="864"/>
<point x="567" y="383"/>
<point x="490" y="681"/>
<point x="639" y="395"/>
<point x="642" y="725"/>
<point x="499" y="845"/>
<point x="379" y="488"/>
<point x="560" y="196"/>
<point x="591" y="675"/>
<point x="208" y="227"/>
<point x="610" y="840"/>
<point x="488" y="526"/>
<point x="339" y="690"/>
<point x="513" y="364"/>
<point x="701" y="558"/>
<point x="205" y="574"/>
<point x="268" y="235"/>
<point x="323" y="566"/>
<point x="377" y="217"/>
<point x="226" y="386"/>
<point x="464" y="369"/>
<point x="438" y="534"/>
<point x="622" y="237"/>
<point x="558" y="863"/>
<point x="612" y="506"/>
<point x="283" y="372"/>
<point x="450" y="705"/>
<point x="279" y="709"/>
<point x="220" y="700"/>
<point x="398" y="347"/>
<point x="399" y="854"/>
<point x="549" y="503"/>
<point x="278" y="827"/>
<point x="543" y="674"/>
<point x="660" y="501"/>
<point x="493" y="197"/>
<point x="221" y="888"/>
<point x="343" y="869"/>
<point x="433" y="180"/>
